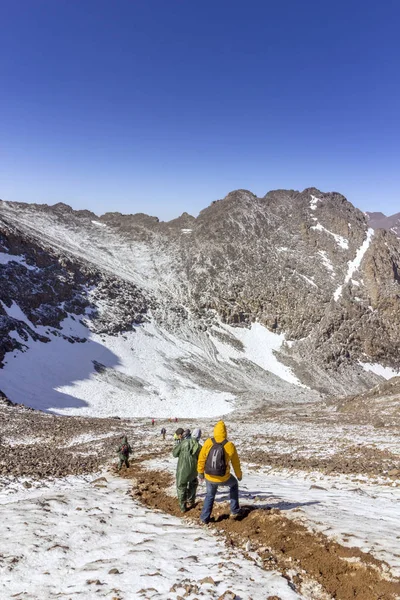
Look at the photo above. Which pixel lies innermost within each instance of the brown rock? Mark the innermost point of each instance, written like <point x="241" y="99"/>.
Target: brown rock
<point x="207" y="580"/>
<point x="99" y="480"/>
<point x="228" y="595"/>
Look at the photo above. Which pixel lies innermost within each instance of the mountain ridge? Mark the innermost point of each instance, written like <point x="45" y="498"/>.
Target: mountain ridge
<point x="379" y="220"/>
<point x="67" y="208"/>
<point x="303" y="264"/>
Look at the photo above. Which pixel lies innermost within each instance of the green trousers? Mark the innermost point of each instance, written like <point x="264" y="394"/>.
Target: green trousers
<point x="187" y="493"/>
<point x="123" y="460"/>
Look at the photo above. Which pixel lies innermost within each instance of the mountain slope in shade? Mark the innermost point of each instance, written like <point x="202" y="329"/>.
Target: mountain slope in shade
<point x="378" y="220"/>
<point x="255" y="298"/>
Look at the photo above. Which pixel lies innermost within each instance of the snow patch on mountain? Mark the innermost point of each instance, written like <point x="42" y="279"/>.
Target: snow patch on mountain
<point x="259" y="347"/>
<point x="340" y="240"/>
<point x="326" y="261"/>
<point x="314" y="201"/>
<point x="5" y="259"/>
<point x="386" y="372"/>
<point x="310" y="281"/>
<point x="354" y="264"/>
<point x="15" y="312"/>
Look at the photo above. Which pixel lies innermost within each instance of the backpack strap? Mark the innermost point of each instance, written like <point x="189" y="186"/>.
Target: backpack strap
<point x="219" y="443"/>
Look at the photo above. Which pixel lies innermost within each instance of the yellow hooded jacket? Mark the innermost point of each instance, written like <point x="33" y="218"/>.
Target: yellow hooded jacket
<point x="230" y="451"/>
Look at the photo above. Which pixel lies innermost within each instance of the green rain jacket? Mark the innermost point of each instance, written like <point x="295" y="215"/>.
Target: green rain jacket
<point x="124" y="442"/>
<point x="187" y="453"/>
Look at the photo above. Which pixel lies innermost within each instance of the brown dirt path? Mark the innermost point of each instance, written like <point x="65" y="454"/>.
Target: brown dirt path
<point x="281" y="543"/>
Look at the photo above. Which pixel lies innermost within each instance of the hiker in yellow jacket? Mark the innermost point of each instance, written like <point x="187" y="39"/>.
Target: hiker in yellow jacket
<point x="214" y="462"/>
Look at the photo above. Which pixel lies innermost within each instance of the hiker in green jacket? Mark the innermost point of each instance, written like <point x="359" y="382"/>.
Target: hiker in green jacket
<point x="187" y="452"/>
<point x="123" y="451"/>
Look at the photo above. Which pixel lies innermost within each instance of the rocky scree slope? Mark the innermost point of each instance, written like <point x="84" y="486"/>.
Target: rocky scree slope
<point x="47" y="286"/>
<point x="305" y="264"/>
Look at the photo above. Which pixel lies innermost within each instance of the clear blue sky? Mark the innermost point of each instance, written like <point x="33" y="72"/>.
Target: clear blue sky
<point x="162" y="106"/>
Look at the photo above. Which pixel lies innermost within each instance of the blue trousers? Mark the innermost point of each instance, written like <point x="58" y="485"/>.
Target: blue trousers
<point x="211" y="490"/>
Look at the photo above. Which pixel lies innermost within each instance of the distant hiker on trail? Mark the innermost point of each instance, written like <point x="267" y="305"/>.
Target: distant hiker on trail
<point x="196" y="435"/>
<point x="187" y="453"/>
<point x="178" y="435"/>
<point x="214" y="459"/>
<point x="163" y="433"/>
<point x="152" y="421"/>
<point x="176" y="420"/>
<point x="124" y="450"/>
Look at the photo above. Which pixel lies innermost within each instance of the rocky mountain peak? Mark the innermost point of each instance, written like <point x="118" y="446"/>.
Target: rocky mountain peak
<point x="305" y="265"/>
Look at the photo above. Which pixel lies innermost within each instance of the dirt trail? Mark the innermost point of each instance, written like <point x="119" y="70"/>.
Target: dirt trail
<point x="282" y="544"/>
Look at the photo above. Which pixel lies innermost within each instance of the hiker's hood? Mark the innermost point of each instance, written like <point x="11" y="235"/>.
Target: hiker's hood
<point x="124" y="440"/>
<point x="196" y="434"/>
<point x="220" y="432"/>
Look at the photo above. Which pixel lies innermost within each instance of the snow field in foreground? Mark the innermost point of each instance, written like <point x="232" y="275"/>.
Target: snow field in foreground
<point x="365" y="516"/>
<point x="56" y="541"/>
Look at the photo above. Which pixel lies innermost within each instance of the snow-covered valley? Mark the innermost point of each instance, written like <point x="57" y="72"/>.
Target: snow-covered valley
<point x="145" y="371"/>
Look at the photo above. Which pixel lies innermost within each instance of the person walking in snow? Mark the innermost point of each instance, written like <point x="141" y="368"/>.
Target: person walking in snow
<point x="214" y="463"/>
<point x="163" y="433"/>
<point x="187" y="453"/>
<point x="152" y="422"/>
<point x="123" y="451"/>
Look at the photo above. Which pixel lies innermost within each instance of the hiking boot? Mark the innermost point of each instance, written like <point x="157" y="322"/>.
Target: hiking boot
<point x="235" y="516"/>
<point x="183" y="508"/>
<point x="191" y="505"/>
<point x="204" y="523"/>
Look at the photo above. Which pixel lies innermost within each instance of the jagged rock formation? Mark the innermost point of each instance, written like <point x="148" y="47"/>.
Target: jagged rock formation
<point x="304" y="264"/>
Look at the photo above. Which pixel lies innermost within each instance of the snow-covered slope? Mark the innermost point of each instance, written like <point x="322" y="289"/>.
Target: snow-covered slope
<point x="142" y="372"/>
<point x="256" y="298"/>
<point x="78" y="533"/>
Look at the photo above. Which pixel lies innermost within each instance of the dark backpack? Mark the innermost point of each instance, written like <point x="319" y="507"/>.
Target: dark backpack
<point x="216" y="463"/>
<point x="125" y="449"/>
